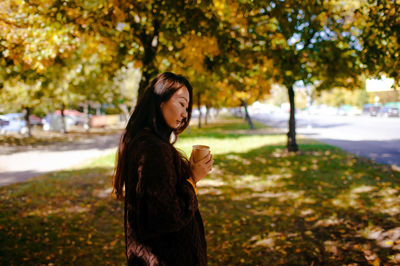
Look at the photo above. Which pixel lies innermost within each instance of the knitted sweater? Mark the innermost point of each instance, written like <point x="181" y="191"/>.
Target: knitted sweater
<point x="163" y="225"/>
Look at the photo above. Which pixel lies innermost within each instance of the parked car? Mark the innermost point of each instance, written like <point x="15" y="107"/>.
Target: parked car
<point x="14" y="122"/>
<point x="77" y="117"/>
<point x="35" y="121"/>
<point x="371" y="109"/>
<point x="3" y="121"/>
<point x="388" y="111"/>
<point x="348" y="110"/>
<point x="52" y="121"/>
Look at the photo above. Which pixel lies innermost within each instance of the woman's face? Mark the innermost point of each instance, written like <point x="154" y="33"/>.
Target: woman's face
<point x="175" y="109"/>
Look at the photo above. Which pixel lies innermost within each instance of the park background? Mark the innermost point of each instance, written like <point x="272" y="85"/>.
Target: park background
<point x="273" y="197"/>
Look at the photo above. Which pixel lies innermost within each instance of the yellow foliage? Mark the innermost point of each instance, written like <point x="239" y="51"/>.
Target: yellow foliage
<point x="196" y="48"/>
<point x="30" y="39"/>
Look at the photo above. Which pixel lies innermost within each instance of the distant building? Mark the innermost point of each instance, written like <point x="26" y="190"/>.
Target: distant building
<point x="382" y="90"/>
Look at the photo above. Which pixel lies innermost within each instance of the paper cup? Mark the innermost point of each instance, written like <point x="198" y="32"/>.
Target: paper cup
<point x="199" y="152"/>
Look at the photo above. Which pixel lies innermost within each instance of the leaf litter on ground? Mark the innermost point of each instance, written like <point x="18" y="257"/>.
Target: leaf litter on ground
<point x="261" y="205"/>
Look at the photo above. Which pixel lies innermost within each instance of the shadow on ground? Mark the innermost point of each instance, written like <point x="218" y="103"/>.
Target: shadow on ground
<point x="62" y="218"/>
<point x="318" y="207"/>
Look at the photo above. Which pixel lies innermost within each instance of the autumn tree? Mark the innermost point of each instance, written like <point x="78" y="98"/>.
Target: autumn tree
<point x="30" y="44"/>
<point x="250" y="85"/>
<point x="17" y="95"/>
<point x="308" y="41"/>
<point x="150" y="31"/>
<point x="379" y="23"/>
<point x="194" y="51"/>
<point x="237" y="72"/>
<point x="59" y="46"/>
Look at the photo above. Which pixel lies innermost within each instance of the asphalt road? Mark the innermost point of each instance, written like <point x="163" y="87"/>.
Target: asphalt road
<point x="377" y="138"/>
<point x="19" y="166"/>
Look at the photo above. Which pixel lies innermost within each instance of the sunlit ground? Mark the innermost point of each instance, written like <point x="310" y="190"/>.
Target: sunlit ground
<point x="261" y="206"/>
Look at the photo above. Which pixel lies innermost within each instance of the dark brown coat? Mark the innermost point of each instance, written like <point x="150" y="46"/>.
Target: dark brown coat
<point x="163" y="225"/>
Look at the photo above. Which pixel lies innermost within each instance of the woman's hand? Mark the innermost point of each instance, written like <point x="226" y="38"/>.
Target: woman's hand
<point x="201" y="168"/>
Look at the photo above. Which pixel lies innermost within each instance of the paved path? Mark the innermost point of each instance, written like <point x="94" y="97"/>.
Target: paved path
<point x="19" y="166"/>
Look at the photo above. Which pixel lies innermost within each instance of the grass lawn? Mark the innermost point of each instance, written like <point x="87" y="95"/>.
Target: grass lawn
<point x="261" y="206"/>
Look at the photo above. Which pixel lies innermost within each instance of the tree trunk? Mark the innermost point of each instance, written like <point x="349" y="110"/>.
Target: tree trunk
<point x="291" y="144"/>
<point x="247" y="115"/>
<point x="28" y="121"/>
<point x="145" y="80"/>
<point x="86" y="126"/>
<point x="124" y="109"/>
<point x="199" y="107"/>
<point x="98" y="109"/>
<point x="63" y="125"/>
<point x="149" y="69"/>
<point x="207" y="116"/>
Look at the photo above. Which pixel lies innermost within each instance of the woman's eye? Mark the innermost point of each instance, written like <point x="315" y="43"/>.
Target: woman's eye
<point x="182" y="105"/>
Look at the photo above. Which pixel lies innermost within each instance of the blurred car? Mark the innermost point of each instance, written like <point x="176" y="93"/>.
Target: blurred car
<point x="388" y="111"/>
<point x="348" y="110"/>
<point x="3" y="121"/>
<point x="14" y="122"/>
<point x="321" y="110"/>
<point x="35" y="121"/>
<point x="78" y="118"/>
<point x="371" y="109"/>
<point x="53" y="121"/>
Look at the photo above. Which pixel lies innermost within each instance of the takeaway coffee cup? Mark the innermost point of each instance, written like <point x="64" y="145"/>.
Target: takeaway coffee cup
<point x="199" y="152"/>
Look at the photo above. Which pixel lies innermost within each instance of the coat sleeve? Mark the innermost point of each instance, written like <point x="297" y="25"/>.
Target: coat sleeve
<point x="165" y="202"/>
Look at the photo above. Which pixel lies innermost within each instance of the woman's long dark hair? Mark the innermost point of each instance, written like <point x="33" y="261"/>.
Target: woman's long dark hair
<point x="148" y="114"/>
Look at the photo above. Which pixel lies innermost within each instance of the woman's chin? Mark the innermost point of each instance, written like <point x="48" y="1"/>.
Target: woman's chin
<point x="174" y="127"/>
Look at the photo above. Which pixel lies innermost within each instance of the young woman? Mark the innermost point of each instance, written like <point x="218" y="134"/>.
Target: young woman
<point x="163" y="225"/>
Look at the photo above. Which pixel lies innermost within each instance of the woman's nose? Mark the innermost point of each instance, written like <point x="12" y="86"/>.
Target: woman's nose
<point x="184" y="114"/>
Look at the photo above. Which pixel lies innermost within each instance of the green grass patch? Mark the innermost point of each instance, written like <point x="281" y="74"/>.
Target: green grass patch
<point x="261" y="205"/>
